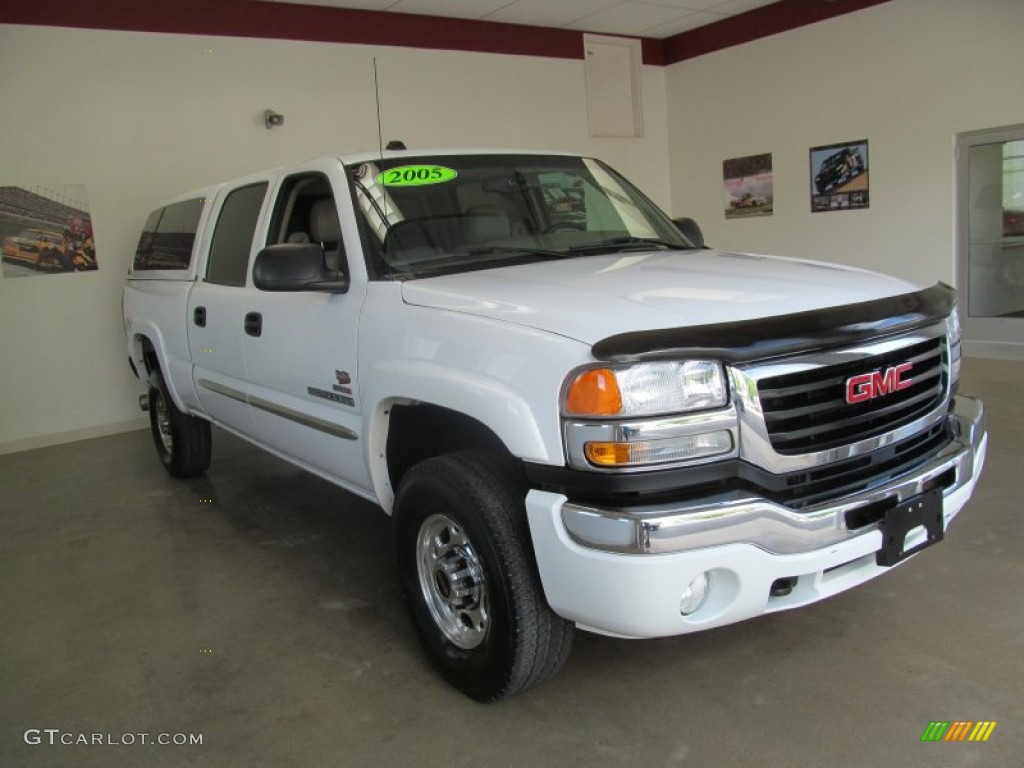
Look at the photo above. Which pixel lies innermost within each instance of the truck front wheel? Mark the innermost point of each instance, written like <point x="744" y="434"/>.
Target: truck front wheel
<point x="464" y="558"/>
<point x="182" y="442"/>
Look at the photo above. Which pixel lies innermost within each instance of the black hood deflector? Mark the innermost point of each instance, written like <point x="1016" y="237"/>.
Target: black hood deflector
<point x="763" y="338"/>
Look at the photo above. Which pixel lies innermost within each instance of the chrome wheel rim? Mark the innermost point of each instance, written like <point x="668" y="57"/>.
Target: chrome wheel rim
<point x="452" y="581"/>
<point x="163" y="423"/>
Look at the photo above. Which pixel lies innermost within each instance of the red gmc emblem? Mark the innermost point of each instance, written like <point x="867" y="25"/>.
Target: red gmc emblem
<point x="868" y="386"/>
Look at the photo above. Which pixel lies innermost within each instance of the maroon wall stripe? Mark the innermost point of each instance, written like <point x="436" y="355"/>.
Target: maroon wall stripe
<point x="760" y="22"/>
<point x="249" y="18"/>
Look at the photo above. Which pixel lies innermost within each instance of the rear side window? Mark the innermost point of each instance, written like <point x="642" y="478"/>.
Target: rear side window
<point x="168" y="237"/>
<point x="232" y="237"/>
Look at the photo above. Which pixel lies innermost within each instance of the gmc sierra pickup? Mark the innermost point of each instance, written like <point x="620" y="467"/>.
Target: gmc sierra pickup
<point x="577" y="414"/>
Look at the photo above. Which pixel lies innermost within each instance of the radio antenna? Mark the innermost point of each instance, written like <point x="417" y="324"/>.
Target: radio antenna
<point x="376" y="96"/>
<point x="380" y="167"/>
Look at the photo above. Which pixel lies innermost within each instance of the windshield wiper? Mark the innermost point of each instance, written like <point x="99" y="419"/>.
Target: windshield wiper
<point x="627" y="242"/>
<point x="448" y="262"/>
<point x="483" y="250"/>
<point x="446" y="265"/>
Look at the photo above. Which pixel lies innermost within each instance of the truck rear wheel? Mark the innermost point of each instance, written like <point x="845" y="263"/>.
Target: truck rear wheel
<point x="467" y="570"/>
<point x="182" y="442"/>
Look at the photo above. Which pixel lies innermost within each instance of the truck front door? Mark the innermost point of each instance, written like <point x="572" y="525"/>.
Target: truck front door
<point x="302" y="364"/>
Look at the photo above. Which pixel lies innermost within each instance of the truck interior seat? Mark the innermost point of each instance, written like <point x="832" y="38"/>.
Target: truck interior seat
<point x="324" y="228"/>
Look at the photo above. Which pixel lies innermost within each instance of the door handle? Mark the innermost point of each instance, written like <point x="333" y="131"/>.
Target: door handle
<point x="253" y="323"/>
<point x="199" y="316"/>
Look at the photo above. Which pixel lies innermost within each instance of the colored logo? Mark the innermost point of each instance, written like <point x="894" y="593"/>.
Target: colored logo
<point x="868" y="386"/>
<point x="958" y="730"/>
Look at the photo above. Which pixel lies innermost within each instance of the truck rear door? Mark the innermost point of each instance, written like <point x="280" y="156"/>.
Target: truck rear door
<point x="218" y="306"/>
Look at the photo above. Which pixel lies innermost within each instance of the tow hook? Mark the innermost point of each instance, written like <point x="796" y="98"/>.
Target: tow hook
<point x="144" y="402"/>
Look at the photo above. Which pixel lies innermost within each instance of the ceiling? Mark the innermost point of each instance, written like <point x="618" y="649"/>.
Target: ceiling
<point x="640" y="18"/>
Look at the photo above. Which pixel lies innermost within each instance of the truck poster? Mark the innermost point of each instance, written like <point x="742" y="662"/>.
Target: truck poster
<point x="45" y="230"/>
<point x="839" y="176"/>
<point x="748" y="183"/>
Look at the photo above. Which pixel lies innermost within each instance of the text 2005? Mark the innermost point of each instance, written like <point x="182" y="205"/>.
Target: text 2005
<point x="398" y="175"/>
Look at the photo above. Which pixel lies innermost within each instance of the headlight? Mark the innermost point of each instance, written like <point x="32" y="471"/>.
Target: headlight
<point x="648" y="415"/>
<point x="646" y="389"/>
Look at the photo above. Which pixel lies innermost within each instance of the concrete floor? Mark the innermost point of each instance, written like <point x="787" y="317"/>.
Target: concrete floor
<point x="258" y="606"/>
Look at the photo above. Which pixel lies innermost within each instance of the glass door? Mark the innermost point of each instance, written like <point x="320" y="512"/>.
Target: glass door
<point x="990" y="258"/>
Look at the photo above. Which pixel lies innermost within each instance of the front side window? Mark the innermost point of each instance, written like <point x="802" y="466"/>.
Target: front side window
<point x="306" y="212"/>
<point x="233" y="235"/>
<point x="425" y="216"/>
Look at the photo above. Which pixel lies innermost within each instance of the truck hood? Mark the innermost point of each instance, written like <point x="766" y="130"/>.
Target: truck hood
<point x="589" y="298"/>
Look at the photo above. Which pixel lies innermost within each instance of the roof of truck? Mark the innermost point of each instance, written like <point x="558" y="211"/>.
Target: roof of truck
<point x="393" y="154"/>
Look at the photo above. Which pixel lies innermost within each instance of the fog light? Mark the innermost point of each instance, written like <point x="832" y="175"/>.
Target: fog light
<point x="695" y="594"/>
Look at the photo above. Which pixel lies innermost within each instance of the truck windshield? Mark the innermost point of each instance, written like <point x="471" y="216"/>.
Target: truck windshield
<point x="430" y="215"/>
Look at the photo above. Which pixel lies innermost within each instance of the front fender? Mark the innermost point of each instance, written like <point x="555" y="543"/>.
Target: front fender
<point x="505" y="376"/>
<point x="491" y="403"/>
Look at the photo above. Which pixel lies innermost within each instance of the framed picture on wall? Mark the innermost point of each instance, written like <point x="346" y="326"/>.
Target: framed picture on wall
<point x="749" y="186"/>
<point x="839" y="176"/>
<point x="46" y="230"/>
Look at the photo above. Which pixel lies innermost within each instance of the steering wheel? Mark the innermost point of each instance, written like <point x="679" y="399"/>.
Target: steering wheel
<point x="573" y="225"/>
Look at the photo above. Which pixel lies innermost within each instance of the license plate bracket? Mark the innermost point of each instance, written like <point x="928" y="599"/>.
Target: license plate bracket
<point x="924" y="510"/>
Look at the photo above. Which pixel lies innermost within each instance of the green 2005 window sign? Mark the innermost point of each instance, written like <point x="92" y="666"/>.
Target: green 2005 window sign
<point x="416" y="175"/>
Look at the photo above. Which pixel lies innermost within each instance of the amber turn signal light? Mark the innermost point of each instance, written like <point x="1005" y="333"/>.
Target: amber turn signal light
<point x="609" y="454"/>
<point x="594" y="393"/>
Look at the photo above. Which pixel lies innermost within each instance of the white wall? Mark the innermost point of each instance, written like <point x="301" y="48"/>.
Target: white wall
<point x="907" y="75"/>
<point x="140" y="117"/>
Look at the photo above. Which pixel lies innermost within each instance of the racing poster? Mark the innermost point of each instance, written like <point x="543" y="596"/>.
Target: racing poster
<point x="46" y="230"/>
<point x="748" y="185"/>
<point x="839" y="176"/>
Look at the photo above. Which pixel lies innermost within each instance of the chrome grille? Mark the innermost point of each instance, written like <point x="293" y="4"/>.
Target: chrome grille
<point x="807" y="411"/>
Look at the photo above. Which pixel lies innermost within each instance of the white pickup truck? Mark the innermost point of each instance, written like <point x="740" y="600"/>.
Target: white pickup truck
<point x="577" y="414"/>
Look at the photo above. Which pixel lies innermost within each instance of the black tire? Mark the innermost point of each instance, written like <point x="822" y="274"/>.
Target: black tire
<point x="182" y="442"/>
<point x="490" y="632"/>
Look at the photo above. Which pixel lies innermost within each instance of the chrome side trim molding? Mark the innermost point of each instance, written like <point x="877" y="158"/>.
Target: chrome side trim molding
<point x="220" y="389"/>
<point x="303" y="419"/>
<point x="298" y="417"/>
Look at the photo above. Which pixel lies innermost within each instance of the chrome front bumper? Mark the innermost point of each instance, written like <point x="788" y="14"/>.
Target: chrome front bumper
<point x="661" y="529"/>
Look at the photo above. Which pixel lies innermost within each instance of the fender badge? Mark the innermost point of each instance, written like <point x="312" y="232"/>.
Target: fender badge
<point x="322" y="393"/>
